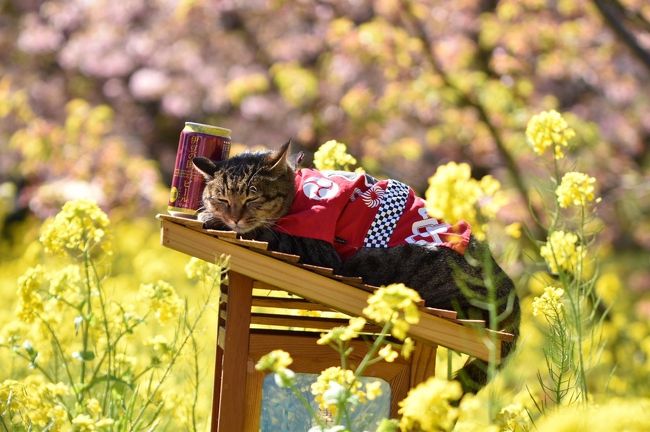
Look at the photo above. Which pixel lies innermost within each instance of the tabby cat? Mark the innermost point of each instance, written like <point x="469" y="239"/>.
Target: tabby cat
<point x="250" y="192"/>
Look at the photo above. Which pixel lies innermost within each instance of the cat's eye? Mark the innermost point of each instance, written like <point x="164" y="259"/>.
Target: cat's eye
<point x="250" y="200"/>
<point x="223" y="201"/>
<point x="252" y="189"/>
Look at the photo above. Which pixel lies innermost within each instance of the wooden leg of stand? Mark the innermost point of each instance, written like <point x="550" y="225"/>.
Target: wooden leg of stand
<point x="218" y="363"/>
<point x="423" y="363"/>
<point x="235" y="354"/>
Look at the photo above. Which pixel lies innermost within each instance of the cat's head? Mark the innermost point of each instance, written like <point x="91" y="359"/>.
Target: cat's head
<point x="247" y="191"/>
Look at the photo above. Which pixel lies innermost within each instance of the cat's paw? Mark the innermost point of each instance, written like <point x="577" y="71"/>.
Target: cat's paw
<point x="210" y="222"/>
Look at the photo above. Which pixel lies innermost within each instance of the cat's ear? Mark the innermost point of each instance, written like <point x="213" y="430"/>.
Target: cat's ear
<point x="278" y="160"/>
<point x="205" y="167"/>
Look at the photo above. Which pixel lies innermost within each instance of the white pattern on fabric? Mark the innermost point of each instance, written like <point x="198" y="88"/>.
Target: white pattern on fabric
<point x="391" y="209"/>
<point x="373" y="196"/>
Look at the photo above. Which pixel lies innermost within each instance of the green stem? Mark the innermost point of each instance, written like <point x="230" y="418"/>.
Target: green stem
<point x="196" y="381"/>
<point x="365" y="362"/>
<point x="172" y="362"/>
<point x="373" y="349"/>
<point x="110" y="347"/>
<point x="340" y="347"/>
<point x="86" y="317"/>
<point x="37" y="366"/>
<point x="583" y="375"/>
<point x="3" y="423"/>
<point x="307" y="405"/>
<point x="62" y="354"/>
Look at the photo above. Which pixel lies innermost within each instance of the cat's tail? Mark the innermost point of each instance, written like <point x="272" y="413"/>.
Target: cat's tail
<point x="474" y="374"/>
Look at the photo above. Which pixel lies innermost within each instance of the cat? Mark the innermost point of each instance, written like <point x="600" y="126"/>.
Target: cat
<point x="254" y="193"/>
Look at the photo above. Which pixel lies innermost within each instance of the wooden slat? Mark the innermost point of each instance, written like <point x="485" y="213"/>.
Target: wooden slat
<point x="283" y="256"/>
<point x="185" y="221"/>
<point x="321" y="290"/>
<point x="297" y="321"/>
<point x="440" y="312"/>
<point x="302" y="321"/>
<point x="320" y="270"/>
<point x="347" y="279"/>
<point x="367" y="288"/>
<point x="221" y="336"/>
<point x="471" y="322"/>
<point x="248" y="243"/>
<point x="264" y="286"/>
<point x="221" y="234"/>
<point x="504" y="336"/>
<point x="288" y="303"/>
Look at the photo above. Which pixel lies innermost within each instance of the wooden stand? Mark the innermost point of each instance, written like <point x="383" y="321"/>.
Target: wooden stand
<point x="267" y="306"/>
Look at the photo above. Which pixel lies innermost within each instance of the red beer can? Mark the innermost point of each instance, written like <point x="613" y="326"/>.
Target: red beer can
<point x="187" y="184"/>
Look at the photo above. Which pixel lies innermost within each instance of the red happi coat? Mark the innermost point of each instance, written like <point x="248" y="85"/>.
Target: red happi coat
<point x="353" y="211"/>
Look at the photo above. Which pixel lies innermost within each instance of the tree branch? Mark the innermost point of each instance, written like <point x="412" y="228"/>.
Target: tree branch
<point x="467" y="99"/>
<point x="609" y="13"/>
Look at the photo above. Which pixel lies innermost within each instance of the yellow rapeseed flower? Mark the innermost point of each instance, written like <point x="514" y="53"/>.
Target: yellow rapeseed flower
<point x="514" y="230"/>
<point x="80" y="226"/>
<point x="550" y="303"/>
<point x="407" y="347"/>
<point x="274" y="361"/>
<point x="343" y="333"/>
<point x="514" y="418"/>
<point x="576" y="189"/>
<point x="561" y="251"/>
<point x="30" y="302"/>
<point x="548" y="129"/>
<point x="373" y="390"/>
<point x="387" y="353"/>
<point x="427" y="406"/>
<point x="334" y="380"/>
<point x="161" y="298"/>
<point x="454" y="195"/>
<point x="34" y="402"/>
<point x="396" y="304"/>
<point x="333" y="155"/>
<point x="206" y="272"/>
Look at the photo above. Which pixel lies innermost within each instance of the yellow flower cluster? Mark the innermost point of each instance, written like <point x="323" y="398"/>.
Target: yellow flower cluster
<point x="396" y="304"/>
<point x="549" y="129"/>
<point x="277" y="361"/>
<point x="549" y="303"/>
<point x="85" y="423"/>
<point x="30" y="302"/>
<point x="514" y="418"/>
<point x="343" y="333"/>
<point x="561" y="251"/>
<point x="576" y="189"/>
<point x="34" y="402"/>
<point x="274" y="361"/>
<point x="333" y="155"/>
<point x="65" y="285"/>
<point x="161" y="298"/>
<point x="203" y="271"/>
<point x="331" y="387"/>
<point x="387" y="353"/>
<point x="373" y="390"/>
<point x="80" y="226"/>
<point x="453" y="195"/>
<point x="427" y="406"/>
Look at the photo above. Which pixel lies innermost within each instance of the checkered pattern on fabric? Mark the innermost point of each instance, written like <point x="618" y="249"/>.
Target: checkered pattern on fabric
<point x="390" y="210"/>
